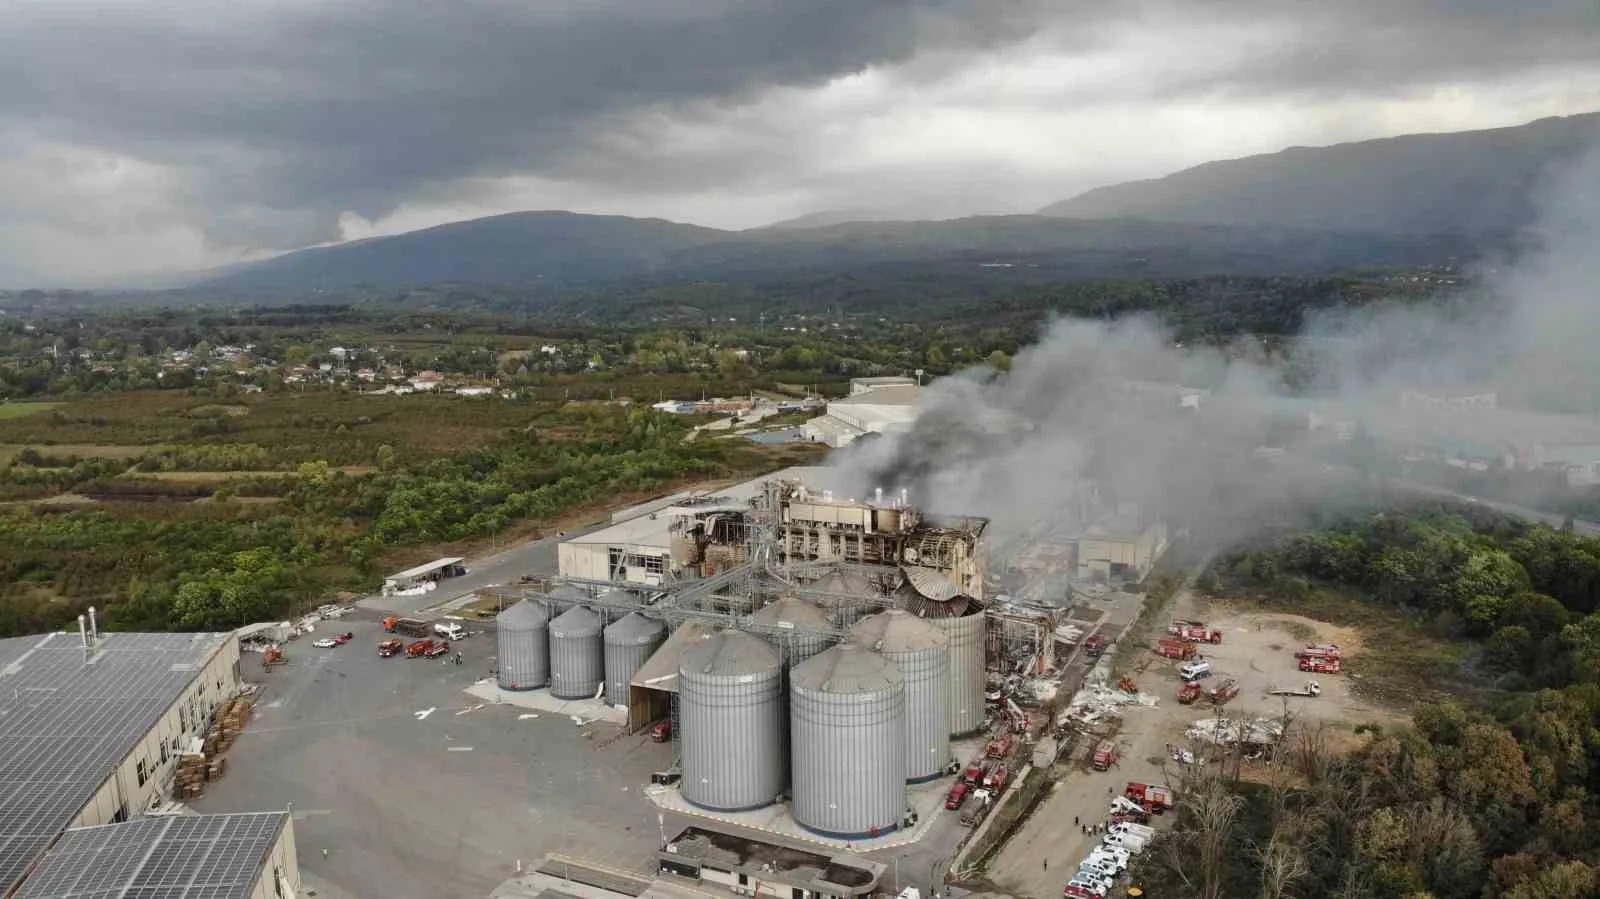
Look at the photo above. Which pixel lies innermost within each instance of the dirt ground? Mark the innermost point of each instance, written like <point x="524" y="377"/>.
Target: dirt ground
<point x="1257" y="651"/>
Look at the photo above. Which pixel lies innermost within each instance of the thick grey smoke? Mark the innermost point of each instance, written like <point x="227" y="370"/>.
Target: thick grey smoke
<point x="1089" y="427"/>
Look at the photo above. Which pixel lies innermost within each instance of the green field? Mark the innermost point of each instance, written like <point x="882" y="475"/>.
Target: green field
<point x="22" y="410"/>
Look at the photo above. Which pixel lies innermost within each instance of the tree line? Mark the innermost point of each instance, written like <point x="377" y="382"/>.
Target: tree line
<point x="1496" y="794"/>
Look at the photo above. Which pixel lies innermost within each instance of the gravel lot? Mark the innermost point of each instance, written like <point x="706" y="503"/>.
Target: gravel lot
<point x="439" y="805"/>
<point x="1258" y="651"/>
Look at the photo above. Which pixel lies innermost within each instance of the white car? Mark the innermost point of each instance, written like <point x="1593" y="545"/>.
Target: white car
<point x="325" y="643"/>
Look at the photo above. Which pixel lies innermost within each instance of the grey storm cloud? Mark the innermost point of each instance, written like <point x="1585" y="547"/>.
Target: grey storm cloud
<point x="294" y="112"/>
<point x="279" y="116"/>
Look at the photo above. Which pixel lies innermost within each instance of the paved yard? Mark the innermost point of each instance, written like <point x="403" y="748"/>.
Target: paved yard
<point x="410" y="798"/>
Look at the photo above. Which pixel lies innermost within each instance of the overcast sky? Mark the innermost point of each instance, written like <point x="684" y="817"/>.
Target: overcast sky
<point x="172" y="134"/>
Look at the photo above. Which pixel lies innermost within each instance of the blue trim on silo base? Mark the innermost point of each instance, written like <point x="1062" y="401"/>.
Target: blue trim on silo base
<point x="927" y="778"/>
<point x="864" y="835"/>
<point x="712" y="808"/>
<point x="520" y="689"/>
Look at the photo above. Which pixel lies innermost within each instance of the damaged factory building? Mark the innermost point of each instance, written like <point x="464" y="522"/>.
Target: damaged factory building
<point x="784" y="615"/>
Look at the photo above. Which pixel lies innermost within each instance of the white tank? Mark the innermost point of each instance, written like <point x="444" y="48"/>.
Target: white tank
<point x="577" y="661"/>
<point x="524" y="653"/>
<point x="731" y="722"/>
<point x="847" y="719"/>
<point x="921" y="652"/>
<point x="629" y="643"/>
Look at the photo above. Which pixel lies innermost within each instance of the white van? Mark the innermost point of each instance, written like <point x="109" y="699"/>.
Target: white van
<point x="1195" y="670"/>
<point x="1128" y="841"/>
<point x="1143" y="830"/>
<point x="450" y="630"/>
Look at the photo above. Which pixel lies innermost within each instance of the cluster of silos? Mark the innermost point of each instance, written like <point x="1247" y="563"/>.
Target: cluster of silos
<point x="629" y="643"/>
<point x="577" y="658"/>
<point x="921" y="652"/>
<point x="797" y="628"/>
<point x="524" y="648"/>
<point x="731" y="713"/>
<point x="847" y="727"/>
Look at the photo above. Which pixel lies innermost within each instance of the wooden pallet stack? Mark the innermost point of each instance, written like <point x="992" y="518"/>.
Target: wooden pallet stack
<point x="196" y="769"/>
<point x="232" y="719"/>
<point x="190" y="777"/>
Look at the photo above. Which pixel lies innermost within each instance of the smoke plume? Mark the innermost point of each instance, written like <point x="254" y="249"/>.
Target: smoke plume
<point x="1088" y="426"/>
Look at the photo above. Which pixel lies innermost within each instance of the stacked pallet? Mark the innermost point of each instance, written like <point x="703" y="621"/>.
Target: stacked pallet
<point x="230" y="721"/>
<point x="190" y="777"/>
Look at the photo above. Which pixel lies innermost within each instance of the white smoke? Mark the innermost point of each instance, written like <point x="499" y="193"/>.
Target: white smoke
<point x="1021" y="447"/>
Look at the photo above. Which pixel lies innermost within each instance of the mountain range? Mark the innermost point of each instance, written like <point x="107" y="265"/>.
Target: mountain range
<point x="1398" y="201"/>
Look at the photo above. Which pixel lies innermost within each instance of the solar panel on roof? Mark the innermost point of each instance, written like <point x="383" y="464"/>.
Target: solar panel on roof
<point x="69" y="716"/>
<point x="187" y="857"/>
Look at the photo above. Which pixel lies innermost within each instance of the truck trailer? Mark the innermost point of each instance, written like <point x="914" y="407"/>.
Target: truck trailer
<point x="411" y="627"/>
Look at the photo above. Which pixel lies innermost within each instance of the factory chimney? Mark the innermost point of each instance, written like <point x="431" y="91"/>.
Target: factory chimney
<point x="877" y="497"/>
<point x="83" y="631"/>
<point x="905" y="497"/>
<point x="94" y="627"/>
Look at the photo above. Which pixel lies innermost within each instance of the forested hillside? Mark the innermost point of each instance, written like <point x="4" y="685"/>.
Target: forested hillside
<point x="1494" y="793"/>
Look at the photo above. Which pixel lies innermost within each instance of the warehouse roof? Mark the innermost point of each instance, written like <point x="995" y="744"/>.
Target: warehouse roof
<point x="427" y="568"/>
<point x="173" y="857"/>
<point x="905" y="395"/>
<point x="69" y="716"/>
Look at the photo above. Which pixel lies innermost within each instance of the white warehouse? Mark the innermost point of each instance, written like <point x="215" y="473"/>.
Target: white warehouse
<point x="878" y="410"/>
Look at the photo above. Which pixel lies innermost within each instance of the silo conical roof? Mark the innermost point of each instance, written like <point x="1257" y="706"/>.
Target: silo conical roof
<point x="634" y="628"/>
<point x="792" y="611"/>
<point x="578" y="621"/>
<point x="897" y="630"/>
<point x="846" y="668"/>
<point x="728" y="654"/>
<point x="525" y="614"/>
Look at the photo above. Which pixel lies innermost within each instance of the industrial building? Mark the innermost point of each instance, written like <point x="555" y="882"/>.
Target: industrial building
<point x="871" y="408"/>
<point x="637" y="548"/>
<point x="94" y="725"/>
<point x="813" y="657"/>
<point x="751" y="868"/>
<point x="247" y="856"/>
<point x="1125" y="548"/>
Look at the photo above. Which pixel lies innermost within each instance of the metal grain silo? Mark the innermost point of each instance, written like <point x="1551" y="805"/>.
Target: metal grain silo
<point x="524" y="652"/>
<point x="922" y="653"/>
<point x="629" y="643"/>
<point x="797" y="628"/>
<point x="577" y="660"/>
<point x="731" y="715"/>
<point x="847" y="719"/>
<point x="965" y="633"/>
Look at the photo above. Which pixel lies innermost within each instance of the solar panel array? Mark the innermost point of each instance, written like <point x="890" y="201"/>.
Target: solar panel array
<point x="69" y="717"/>
<point x="173" y="857"/>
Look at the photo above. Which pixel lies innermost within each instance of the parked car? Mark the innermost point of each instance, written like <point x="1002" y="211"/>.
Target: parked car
<point x="326" y="643"/>
<point x="344" y="638"/>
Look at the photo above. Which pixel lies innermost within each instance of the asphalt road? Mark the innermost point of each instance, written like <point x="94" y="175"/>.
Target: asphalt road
<point x="410" y="798"/>
<point x="537" y="557"/>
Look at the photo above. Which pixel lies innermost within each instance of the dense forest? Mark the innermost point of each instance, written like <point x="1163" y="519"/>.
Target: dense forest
<point x="1495" y="793"/>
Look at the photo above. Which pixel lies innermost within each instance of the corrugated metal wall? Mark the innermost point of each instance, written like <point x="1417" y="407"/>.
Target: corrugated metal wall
<point x="848" y="736"/>
<point x="731" y="711"/>
<point x="629" y="643"/>
<point x="523" y="646"/>
<point x="966" y="671"/>
<point x="577" y="659"/>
